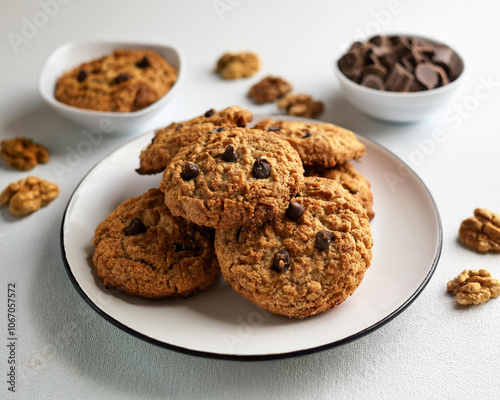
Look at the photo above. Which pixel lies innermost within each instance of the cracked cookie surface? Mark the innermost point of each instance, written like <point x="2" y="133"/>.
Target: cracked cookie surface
<point x="231" y="178"/>
<point x="169" y="140"/>
<point x="124" y="81"/>
<point x="318" y="144"/>
<point x="351" y="180"/>
<point x="308" y="259"/>
<point x="142" y="250"/>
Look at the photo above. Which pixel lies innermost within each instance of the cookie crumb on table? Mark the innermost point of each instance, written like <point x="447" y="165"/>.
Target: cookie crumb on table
<point x="238" y="65"/>
<point x="22" y="153"/>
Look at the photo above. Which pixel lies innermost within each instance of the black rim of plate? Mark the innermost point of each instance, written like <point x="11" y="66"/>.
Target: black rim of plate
<point x="261" y="357"/>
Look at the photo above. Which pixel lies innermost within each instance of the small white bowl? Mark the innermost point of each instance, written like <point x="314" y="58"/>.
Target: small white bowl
<point x="70" y="55"/>
<point x="394" y="106"/>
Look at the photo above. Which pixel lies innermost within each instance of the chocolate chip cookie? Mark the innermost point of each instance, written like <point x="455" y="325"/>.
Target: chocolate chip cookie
<point x="124" y="81"/>
<point x="168" y="141"/>
<point x="350" y="179"/>
<point x="231" y="178"/>
<point x="321" y="144"/>
<point x="142" y="250"/>
<point x="308" y="259"/>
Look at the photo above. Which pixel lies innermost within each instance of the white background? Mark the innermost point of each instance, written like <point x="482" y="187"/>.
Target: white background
<point x="435" y="349"/>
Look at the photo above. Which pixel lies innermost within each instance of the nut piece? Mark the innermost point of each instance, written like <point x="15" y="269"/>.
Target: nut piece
<point x="28" y="195"/>
<point x="481" y="232"/>
<point x="238" y="65"/>
<point x="301" y="105"/>
<point x="474" y="287"/>
<point x="22" y="153"/>
<point x="269" y="89"/>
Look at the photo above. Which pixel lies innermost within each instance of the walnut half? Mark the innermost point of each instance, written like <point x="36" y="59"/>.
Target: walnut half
<point x="481" y="232"/>
<point x="474" y="287"/>
<point x="22" y="153"/>
<point x="28" y="195"/>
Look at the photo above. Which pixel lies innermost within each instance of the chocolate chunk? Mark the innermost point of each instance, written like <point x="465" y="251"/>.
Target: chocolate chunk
<point x="182" y="247"/>
<point x="217" y="130"/>
<point x="427" y="75"/>
<point x="135" y="227"/>
<point x="179" y="126"/>
<point x="81" y="75"/>
<point x="375" y="69"/>
<point x="122" y="78"/>
<point x="373" y="82"/>
<point x="306" y="135"/>
<point x="209" y="113"/>
<point x="273" y="129"/>
<point x="189" y="171"/>
<point x="230" y="154"/>
<point x="353" y="191"/>
<point x="295" y="210"/>
<point x="261" y="169"/>
<point x="143" y="63"/>
<point x="399" y="79"/>
<point x="449" y="60"/>
<point x="281" y="261"/>
<point x="323" y="240"/>
<point x="238" y="233"/>
<point x="351" y="64"/>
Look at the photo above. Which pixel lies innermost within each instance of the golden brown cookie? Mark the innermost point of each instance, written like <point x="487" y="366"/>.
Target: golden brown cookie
<point x="237" y="65"/>
<point x="231" y="178"/>
<point x="318" y="144"/>
<point x="351" y="180"/>
<point x="301" y="105"/>
<point x="168" y="141"/>
<point x="308" y="259"/>
<point x="142" y="250"/>
<point x="124" y="81"/>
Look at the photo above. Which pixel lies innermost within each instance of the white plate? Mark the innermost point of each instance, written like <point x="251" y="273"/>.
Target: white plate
<point x="219" y="322"/>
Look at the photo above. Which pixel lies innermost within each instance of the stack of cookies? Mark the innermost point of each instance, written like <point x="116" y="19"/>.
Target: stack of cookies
<point x="277" y="209"/>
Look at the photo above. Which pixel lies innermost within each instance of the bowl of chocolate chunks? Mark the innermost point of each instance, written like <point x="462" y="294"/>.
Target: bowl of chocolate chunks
<point x="399" y="78"/>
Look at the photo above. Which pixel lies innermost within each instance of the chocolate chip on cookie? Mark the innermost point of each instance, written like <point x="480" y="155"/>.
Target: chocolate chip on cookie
<point x="323" y="240"/>
<point x="281" y="261"/>
<point x="189" y="171"/>
<point x="81" y="75"/>
<point x="122" y="78"/>
<point x="143" y="63"/>
<point x="135" y="227"/>
<point x="295" y="210"/>
<point x="230" y="155"/>
<point x="209" y="113"/>
<point x="261" y="169"/>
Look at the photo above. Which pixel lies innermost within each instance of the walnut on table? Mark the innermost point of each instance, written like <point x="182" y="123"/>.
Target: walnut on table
<point x="22" y="153"/>
<point x="481" y="232"/>
<point x="301" y="105"/>
<point x="237" y="65"/>
<point x="474" y="287"/>
<point x="28" y="195"/>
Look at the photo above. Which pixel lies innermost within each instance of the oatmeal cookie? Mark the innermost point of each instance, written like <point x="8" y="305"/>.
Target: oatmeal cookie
<point x="318" y="144"/>
<point x="168" y="141"/>
<point x="142" y="250"/>
<point x="231" y="178"/>
<point x="308" y="259"/>
<point x="351" y="180"/>
<point x="124" y="81"/>
<point x="301" y="105"/>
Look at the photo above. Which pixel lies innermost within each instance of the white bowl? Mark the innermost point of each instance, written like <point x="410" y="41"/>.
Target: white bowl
<point x="394" y="106"/>
<point x="70" y="55"/>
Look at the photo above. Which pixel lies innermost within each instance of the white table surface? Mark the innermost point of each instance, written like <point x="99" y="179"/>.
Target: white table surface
<point x="434" y="349"/>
